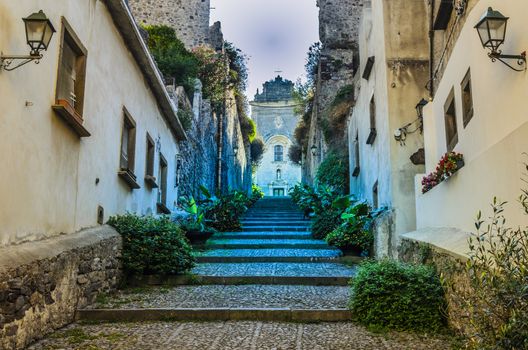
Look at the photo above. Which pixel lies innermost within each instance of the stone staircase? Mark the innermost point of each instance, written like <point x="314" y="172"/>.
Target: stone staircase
<point x="272" y="270"/>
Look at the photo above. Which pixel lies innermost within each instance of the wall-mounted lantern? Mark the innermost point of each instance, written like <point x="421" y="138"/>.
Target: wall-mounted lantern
<point x="492" y="32"/>
<point x="314" y="150"/>
<point x="400" y="135"/>
<point x="39" y="32"/>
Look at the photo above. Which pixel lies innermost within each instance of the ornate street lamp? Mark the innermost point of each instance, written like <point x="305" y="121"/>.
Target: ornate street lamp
<point x="39" y="32"/>
<point x="492" y="32"/>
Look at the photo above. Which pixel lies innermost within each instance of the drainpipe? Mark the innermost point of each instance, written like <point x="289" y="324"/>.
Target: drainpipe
<point x="219" y="143"/>
<point x="431" y="51"/>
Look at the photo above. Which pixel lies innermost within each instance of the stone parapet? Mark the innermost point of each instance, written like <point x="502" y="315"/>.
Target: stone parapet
<point x="42" y="283"/>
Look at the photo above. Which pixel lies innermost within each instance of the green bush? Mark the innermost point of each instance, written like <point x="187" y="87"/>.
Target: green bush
<point x="172" y="58"/>
<point x="393" y="295"/>
<point x="152" y="245"/>
<point x="356" y="230"/>
<point x="495" y="297"/>
<point x="256" y="193"/>
<point x="325" y="223"/>
<point x="333" y="172"/>
<point x="224" y="213"/>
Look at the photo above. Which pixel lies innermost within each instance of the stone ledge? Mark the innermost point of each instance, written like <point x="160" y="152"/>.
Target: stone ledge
<point x="451" y="241"/>
<point x="215" y="314"/>
<point x="25" y="253"/>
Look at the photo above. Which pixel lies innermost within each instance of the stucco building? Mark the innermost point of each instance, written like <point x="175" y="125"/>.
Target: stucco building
<point x="89" y="132"/>
<point x="273" y="110"/>
<point x="478" y="110"/>
<point x="390" y="82"/>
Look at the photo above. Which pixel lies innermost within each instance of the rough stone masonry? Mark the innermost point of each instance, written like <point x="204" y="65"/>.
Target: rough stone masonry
<point x="43" y="283"/>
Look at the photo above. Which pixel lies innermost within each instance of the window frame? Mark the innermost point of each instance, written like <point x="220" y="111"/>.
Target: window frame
<point x="163" y="172"/>
<point x="150" y="161"/>
<point x="275" y="153"/>
<point x="357" y="168"/>
<point x="72" y="115"/>
<point x="127" y="173"/>
<point x="467" y="113"/>
<point x="372" y="119"/>
<point x="450" y="104"/>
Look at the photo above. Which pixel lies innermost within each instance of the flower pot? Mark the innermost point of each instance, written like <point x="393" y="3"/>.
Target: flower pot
<point x="198" y="237"/>
<point x="460" y="164"/>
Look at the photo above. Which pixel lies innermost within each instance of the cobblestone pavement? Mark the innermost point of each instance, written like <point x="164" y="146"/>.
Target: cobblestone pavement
<point x="232" y="336"/>
<point x="218" y="296"/>
<point x="318" y="253"/>
<point x="274" y="269"/>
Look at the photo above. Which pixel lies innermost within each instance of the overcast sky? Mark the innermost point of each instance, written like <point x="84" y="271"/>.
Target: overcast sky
<point x="275" y="34"/>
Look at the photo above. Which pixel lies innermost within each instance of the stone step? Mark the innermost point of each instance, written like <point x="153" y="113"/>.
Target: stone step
<point x="263" y="235"/>
<point x="265" y="243"/>
<point x="276" y="228"/>
<point x="268" y="255"/>
<point x="214" y="314"/>
<point x="281" y="222"/>
<point x="274" y="217"/>
<point x="227" y="296"/>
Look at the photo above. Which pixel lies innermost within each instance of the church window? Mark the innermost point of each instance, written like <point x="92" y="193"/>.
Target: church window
<point x="279" y="153"/>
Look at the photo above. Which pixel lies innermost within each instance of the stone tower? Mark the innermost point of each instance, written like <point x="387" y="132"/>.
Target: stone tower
<point x="273" y="111"/>
<point x="189" y="18"/>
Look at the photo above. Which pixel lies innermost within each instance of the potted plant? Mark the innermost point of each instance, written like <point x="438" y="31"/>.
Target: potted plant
<point x="449" y="164"/>
<point x="196" y="231"/>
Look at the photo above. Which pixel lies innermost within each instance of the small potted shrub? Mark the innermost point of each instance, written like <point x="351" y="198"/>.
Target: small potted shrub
<point x="194" y="225"/>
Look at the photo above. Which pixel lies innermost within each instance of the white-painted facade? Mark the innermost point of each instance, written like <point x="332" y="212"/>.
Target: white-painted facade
<point x="494" y="140"/>
<point x="381" y="171"/>
<point x="52" y="181"/>
<point x="276" y="122"/>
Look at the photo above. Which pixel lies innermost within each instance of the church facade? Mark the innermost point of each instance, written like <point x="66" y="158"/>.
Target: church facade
<point x="273" y="111"/>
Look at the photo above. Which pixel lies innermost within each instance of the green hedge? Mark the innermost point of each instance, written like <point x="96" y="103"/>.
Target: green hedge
<point x="393" y="295"/>
<point x="152" y="245"/>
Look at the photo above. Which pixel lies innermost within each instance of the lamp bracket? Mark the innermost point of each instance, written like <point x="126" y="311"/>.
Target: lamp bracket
<point x="498" y="56"/>
<point x="7" y="60"/>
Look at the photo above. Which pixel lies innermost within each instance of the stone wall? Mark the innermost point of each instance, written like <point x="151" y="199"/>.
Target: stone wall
<point x="189" y="18"/>
<point x="236" y="168"/>
<point x="450" y="266"/>
<point x="43" y="283"/>
<point x="199" y="152"/>
<point x="338" y="31"/>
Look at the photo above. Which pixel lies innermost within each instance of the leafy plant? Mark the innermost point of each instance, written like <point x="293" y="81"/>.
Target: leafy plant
<point x="257" y="148"/>
<point x="393" y="295"/>
<point x="495" y="299"/>
<point x="224" y="213"/>
<point x="152" y="245"/>
<point x="256" y="193"/>
<point x="355" y="232"/>
<point x="171" y="56"/>
<point x="325" y="223"/>
<point x="333" y="171"/>
<point x="185" y="116"/>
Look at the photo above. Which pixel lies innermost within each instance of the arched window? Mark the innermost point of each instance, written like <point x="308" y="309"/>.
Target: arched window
<point x="279" y="153"/>
<point x="279" y="174"/>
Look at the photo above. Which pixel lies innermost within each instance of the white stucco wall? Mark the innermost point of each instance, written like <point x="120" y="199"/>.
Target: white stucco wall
<point x="48" y="178"/>
<point x="496" y="137"/>
<point x="397" y="83"/>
